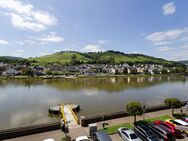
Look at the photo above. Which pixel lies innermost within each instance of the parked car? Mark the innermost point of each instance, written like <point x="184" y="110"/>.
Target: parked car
<point x="162" y="132"/>
<point x="185" y="119"/>
<point x="101" y="136"/>
<point x="179" y="122"/>
<point x="82" y="138"/>
<point x="128" y="135"/>
<point x="169" y="126"/>
<point x="145" y="133"/>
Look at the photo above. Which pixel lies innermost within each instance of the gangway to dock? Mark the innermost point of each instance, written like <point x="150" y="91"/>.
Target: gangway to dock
<point x="68" y="116"/>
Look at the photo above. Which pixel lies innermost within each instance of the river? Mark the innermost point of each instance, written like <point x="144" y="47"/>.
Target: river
<point x="26" y="101"/>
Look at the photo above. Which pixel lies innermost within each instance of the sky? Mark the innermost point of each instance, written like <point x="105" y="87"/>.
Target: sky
<point x="32" y="28"/>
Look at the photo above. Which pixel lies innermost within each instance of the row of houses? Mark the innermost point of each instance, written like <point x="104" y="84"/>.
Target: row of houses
<point x="84" y="69"/>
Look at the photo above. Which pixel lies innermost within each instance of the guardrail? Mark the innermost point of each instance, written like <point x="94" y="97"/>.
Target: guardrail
<point x="28" y="130"/>
<point x="63" y="113"/>
<point x="74" y="115"/>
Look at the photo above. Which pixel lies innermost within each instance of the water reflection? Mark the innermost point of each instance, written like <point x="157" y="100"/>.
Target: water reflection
<point x="25" y="101"/>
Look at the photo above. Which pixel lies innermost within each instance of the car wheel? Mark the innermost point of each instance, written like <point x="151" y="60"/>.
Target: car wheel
<point x="184" y="134"/>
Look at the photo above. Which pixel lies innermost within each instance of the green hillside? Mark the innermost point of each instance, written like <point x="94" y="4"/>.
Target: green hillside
<point x="14" y="60"/>
<point x="185" y="62"/>
<point x="61" y="57"/>
<point x="108" y="57"/>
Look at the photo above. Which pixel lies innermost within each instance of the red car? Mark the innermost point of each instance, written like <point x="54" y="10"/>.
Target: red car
<point x="169" y="126"/>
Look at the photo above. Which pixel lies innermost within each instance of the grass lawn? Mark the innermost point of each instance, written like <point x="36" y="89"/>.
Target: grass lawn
<point x="113" y="129"/>
<point x="163" y="118"/>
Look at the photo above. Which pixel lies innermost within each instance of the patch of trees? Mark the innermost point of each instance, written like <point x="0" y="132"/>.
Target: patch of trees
<point x="14" y="61"/>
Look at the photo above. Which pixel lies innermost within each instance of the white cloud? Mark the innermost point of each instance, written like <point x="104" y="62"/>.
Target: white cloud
<point x="161" y="43"/>
<point x="164" y="49"/>
<point x="19" y="42"/>
<point x="16" y="54"/>
<point x="179" y="55"/>
<point x="23" y="23"/>
<point x="184" y="46"/>
<point x="29" y="41"/>
<point x="92" y="48"/>
<point x="68" y="49"/>
<point x="24" y="16"/>
<point x="19" y="51"/>
<point x="3" y="42"/>
<point x="169" y="8"/>
<point x="173" y="37"/>
<point x="101" y="42"/>
<point x="52" y="37"/>
<point x="169" y="35"/>
<point x="56" y="50"/>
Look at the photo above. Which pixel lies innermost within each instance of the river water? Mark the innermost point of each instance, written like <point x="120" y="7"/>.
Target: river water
<point x="26" y="101"/>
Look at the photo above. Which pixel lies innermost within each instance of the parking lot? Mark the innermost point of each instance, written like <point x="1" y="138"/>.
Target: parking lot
<point x="116" y="137"/>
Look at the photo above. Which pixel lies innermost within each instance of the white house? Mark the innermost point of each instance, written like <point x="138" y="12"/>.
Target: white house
<point x="10" y="72"/>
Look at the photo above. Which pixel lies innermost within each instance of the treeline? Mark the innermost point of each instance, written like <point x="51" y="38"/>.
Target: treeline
<point x="14" y="61"/>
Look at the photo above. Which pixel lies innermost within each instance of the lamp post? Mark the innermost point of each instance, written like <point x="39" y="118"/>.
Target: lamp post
<point x="144" y="108"/>
<point x="103" y="122"/>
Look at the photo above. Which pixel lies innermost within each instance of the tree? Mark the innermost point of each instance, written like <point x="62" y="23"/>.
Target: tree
<point x="66" y="138"/>
<point x="164" y="71"/>
<point x="28" y="72"/>
<point x="180" y="69"/>
<point x="156" y="71"/>
<point x="125" y="70"/>
<point x="146" y="71"/>
<point x="172" y="103"/>
<point x="74" y="60"/>
<point x="48" y="72"/>
<point x="73" y="57"/>
<point x="134" y="108"/>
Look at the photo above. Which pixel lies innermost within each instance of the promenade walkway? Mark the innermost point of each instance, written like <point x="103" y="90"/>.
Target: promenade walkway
<point x="78" y="131"/>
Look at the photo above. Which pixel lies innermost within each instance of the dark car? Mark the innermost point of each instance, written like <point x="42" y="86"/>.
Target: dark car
<point x="162" y="132"/>
<point x="169" y="126"/>
<point x="145" y="133"/>
<point x="101" y="136"/>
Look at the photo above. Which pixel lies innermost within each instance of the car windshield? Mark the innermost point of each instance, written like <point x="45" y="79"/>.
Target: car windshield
<point x="154" y="138"/>
<point x="149" y="133"/>
<point x="133" y="136"/>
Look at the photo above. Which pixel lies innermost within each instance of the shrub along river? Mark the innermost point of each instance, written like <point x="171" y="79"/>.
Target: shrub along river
<point x="26" y="101"/>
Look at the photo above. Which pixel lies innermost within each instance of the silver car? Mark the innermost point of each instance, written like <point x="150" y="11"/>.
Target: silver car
<point x="128" y="135"/>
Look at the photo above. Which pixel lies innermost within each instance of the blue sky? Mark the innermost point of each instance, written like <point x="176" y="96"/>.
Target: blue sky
<point x="31" y="28"/>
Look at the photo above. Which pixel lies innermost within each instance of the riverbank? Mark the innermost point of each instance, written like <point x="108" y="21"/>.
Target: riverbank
<point x="83" y="76"/>
<point x="83" y="122"/>
<point x="58" y="135"/>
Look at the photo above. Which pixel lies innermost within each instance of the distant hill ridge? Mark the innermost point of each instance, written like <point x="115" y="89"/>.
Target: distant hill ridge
<point x="184" y="62"/>
<point x="108" y="57"/>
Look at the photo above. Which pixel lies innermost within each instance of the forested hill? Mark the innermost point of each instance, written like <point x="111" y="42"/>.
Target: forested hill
<point x="14" y="60"/>
<point x="108" y="57"/>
